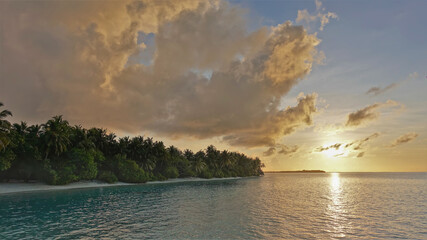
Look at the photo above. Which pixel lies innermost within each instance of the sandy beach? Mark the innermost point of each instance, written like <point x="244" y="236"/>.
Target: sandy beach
<point x="18" y="187"/>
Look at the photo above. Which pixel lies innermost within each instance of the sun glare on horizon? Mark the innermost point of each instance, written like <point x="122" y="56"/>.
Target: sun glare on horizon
<point x="333" y="149"/>
<point x="332" y="152"/>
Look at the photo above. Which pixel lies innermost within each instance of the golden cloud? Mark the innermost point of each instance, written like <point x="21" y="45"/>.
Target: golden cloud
<point x="73" y="58"/>
<point x="369" y="113"/>
<point x="404" y="139"/>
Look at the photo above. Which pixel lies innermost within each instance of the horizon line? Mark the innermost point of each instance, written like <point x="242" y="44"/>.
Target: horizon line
<point x="308" y="171"/>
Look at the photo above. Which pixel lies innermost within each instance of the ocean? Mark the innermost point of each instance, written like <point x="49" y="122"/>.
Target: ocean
<point x="275" y="206"/>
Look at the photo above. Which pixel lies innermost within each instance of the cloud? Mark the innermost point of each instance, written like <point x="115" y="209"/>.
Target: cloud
<point x="363" y="115"/>
<point x="358" y="144"/>
<point x="282" y="123"/>
<point x="286" y="150"/>
<point x="318" y="4"/>
<point x="270" y="151"/>
<point x="404" y="139"/>
<point x="281" y="149"/>
<point x="74" y="59"/>
<point x="335" y="146"/>
<point x="319" y="16"/>
<point x="368" y="113"/>
<point x="377" y="90"/>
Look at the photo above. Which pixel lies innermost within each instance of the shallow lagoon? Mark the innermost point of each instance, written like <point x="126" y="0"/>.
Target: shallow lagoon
<point x="299" y="205"/>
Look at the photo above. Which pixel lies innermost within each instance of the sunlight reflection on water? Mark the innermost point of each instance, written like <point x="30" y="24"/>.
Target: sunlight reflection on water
<point x="335" y="207"/>
<point x="276" y="206"/>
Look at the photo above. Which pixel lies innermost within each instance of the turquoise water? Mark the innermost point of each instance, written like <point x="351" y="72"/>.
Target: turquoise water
<point x="323" y="206"/>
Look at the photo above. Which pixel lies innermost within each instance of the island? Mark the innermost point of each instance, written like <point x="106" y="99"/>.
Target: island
<point x="58" y="153"/>
<point x="300" y="171"/>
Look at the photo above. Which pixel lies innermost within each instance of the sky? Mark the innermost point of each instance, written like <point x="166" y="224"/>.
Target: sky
<point x="331" y="85"/>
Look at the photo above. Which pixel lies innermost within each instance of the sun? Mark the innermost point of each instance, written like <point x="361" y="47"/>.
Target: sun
<point x="332" y="152"/>
<point x="334" y="149"/>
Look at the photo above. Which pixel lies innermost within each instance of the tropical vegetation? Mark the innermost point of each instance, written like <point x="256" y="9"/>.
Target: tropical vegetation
<point x="58" y="153"/>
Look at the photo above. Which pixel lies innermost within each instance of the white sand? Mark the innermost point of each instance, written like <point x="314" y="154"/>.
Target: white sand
<point x="29" y="187"/>
<point x="16" y="187"/>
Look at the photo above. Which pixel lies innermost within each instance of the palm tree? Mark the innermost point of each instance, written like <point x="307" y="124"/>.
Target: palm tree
<point x="198" y="165"/>
<point x="213" y="158"/>
<point x="112" y="144"/>
<point x="189" y="155"/>
<point x="34" y="130"/>
<point x="104" y="142"/>
<point x="33" y="137"/>
<point x="158" y="154"/>
<point x="56" y="135"/>
<point x="18" y="134"/>
<point x="21" y="128"/>
<point x="225" y="160"/>
<point x="124" y="144"/>
<point x="4" y="128"/>
<point x="174" y="152"/>
<point x="80" y="138"/>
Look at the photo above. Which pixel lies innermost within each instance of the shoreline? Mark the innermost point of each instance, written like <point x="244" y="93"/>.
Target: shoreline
<point x="298" y="171"/>
<point x="21" y="187"/>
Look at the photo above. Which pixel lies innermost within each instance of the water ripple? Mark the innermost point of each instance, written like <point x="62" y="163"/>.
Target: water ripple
<point x="277" y="206"/>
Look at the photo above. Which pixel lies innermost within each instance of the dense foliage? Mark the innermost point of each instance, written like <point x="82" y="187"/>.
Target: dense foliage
<point x="58" y="153"/>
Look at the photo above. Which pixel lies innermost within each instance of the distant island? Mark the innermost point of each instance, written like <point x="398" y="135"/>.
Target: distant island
<point x="57" y="153"/>
<point x="300" y="171"/>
